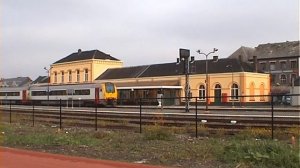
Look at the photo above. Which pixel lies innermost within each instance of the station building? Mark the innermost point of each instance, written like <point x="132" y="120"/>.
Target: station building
<point x="295" y="89"/>
<point x="228" y="79"/>
<point x="81" y="67"/>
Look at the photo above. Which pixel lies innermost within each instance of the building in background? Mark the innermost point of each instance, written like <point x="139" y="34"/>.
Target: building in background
<point x="227" y="80"/>
<point x="280" y="60"/>
<point x="295" y="100"/>
<point x="15" y="82"/>
<point x="81" y="67"/>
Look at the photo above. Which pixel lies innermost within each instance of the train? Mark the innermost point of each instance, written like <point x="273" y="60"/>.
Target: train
<point x="87" y="94"/>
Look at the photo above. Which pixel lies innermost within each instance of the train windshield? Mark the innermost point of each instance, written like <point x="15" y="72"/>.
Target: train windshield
<point x="110" y="88"/>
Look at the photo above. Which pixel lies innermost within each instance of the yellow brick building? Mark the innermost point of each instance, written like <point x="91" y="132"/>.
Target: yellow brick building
<point x="229" y="80"/>
<point x="82" y="67"/>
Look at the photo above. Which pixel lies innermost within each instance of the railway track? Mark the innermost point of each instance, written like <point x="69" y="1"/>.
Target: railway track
<point x="127" y="120"/>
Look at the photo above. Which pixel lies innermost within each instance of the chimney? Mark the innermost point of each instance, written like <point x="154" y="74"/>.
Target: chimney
<point x="255" y="63"/>
<point x="215" y="58"/>
<point x="79" y="51"/>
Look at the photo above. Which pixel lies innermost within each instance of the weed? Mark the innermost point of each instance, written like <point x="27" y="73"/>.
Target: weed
<point x="157" y="132"/>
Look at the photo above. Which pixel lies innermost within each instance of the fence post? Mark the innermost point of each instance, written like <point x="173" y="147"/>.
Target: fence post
<point x="60" y="122"/>
<point x="196" y="118"/>
<point x="9" y="111"/>
<point x="96" y="117"/>
<point x="33" y="113"/>
<point x="272" y="111"/>
<point x="140" y="115"/>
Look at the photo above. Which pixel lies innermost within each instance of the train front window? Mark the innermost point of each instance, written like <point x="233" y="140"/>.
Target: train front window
<point x="110" y="88"/>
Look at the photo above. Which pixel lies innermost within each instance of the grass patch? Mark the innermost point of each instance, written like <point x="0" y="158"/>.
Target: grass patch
<point x="156" y="145"/>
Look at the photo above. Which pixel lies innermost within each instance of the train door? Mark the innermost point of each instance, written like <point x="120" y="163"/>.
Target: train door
<point x="96" y="95"/>
<point x="24" y="96"/>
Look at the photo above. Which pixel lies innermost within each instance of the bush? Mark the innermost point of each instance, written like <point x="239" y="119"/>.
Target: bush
<point x="157" y="132"/>
<point x="260" y="154"/>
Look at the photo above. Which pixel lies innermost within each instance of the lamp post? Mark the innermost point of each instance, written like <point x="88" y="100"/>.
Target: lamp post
<point x="231" y="88"/>
<point x="184" y="56"/>
<point x="206" y="73"/>
<point x="48" y="83"/>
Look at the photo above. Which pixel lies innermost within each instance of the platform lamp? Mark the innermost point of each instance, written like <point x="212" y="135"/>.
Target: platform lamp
<point x="48" y="83"/>
<point x="206" y="73"/>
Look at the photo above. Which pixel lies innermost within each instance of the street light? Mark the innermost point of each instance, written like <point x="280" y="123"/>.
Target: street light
<point x="206" y="73"/>
<point x="48" y="71"/>
<point x="184" y="56"/>
<point x="231" y="88"/>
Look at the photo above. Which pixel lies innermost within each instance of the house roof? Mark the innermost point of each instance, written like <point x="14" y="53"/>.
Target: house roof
<point x="15" y="82"/>
<point x="172" y="69"/>
<point x="86" y="55"/>
<point x="244" y="52"/>
<point x="277" y="50"/>
<point x="41" y="79"/>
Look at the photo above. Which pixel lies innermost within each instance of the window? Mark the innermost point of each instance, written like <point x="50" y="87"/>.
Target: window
<point x="283" y="65"/>
<point x="78" y="75"/>
<point x="283" y="78"/>
<point x="58" y="92"/>
<point x="62" y="77"/>
<point x="234" y="91"/>
<point x="273" y="78"/>
<point x="70" y="76"/>
<point x="263" y="66"/>
<point x="202" y="92"/>
<point x="86" y="75"/>
<point x="55" y="77"/>
<point x="272" y="66"/>
<point x="110" y="88"/>
<point x="38" y="93"/>
<point x="82" y="92"/>
<point x="9" y="93"/>
<point x="293" y="77"/>
<point x="262" y="92"/>
<point x="293" y="64"/>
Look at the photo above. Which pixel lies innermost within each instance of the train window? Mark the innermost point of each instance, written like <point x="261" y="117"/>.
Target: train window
<point x="82" y="92"/>
<point x="110" y="88"/>
<point x="38" y="93"/>
<point x="9" y="93"/>
<point x="58" y="92"/>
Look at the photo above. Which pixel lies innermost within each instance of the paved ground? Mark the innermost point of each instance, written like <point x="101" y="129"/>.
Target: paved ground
<point x="15" y="158"/>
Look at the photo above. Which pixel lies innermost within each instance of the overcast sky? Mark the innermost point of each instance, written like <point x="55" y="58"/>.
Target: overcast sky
<point x="36" y="33"/>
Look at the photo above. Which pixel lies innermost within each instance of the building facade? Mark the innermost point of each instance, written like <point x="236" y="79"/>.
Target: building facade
<point x="81" y="67"/>
<point x="295" y="90"/>
<point x="280" y="60"/>
<point x="229" y="80"/>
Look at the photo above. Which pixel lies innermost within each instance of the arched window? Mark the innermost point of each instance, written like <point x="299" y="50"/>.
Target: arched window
<point x="234" y="91"/>
<point x="252" y="91"/>
<point x="283" y="79"/>
<point x="202" y="92"/>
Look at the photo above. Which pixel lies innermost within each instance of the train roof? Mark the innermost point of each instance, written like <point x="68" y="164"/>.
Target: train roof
<point x="65" y="86"/>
